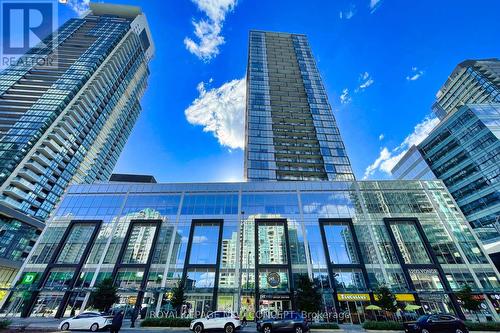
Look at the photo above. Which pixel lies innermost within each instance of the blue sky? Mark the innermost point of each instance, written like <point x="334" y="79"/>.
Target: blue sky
<point x="382" y="63"/>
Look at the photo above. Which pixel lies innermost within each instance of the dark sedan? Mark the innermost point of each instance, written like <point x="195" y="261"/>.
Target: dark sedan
<point x="439" y="323"/>
<point x="288" y="322"/>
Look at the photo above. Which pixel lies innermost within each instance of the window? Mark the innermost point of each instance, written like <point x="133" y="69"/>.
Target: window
<point x="76" y="243"/>
<point x="426" y="279"/>
<point x="140" y="243"/>
<point x="340" y="244"/>
<point x="200" y="280"/>
<point x="410" y="243"/>
<point x="204" y="246"/>
<point x="272" y="243"/>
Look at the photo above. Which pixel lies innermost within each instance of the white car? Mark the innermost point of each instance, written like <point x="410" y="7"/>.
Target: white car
<point x="92" y="321"/>
<point x="218" y="320"/>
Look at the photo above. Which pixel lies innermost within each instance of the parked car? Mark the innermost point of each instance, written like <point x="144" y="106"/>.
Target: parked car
<point x="438" y="323"/>
<point x="289" y="322"/>
<point x="218" y="320"/>
<point x="93" y="321"/>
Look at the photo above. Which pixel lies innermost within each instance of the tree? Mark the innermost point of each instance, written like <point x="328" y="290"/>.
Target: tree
<point x="178" y="297"/>
<point x="104" y="295"/>
<point x="385" y="299"/>
<point x="469" y="302"/>
<point x="307" y="296"/>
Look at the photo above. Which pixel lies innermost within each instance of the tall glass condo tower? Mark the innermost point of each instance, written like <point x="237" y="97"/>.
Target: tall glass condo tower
<point x="291" y="133"/>
<point x="67" y="120"/>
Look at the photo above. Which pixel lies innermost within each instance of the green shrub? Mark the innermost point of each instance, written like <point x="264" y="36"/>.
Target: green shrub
<point x="166" y="322"/>
<point x="330" y="326"/>
<point x="489" y="326"/>
<point x="383" y="325"/>
<point x="4" y="323"/>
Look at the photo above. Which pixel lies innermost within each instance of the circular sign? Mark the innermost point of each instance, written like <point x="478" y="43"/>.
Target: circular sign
<point x="273" y="279"/>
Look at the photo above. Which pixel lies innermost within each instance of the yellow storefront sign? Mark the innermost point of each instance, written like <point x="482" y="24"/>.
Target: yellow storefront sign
<point x="405" y="298"/>
<point x="401" y="297"/>
<point x="353" y="297"/>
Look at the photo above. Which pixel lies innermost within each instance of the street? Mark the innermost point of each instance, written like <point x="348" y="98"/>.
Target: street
<point x="50" y="325"/>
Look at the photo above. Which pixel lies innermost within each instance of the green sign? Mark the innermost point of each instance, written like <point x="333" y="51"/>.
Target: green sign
<point x="29" y="278"/>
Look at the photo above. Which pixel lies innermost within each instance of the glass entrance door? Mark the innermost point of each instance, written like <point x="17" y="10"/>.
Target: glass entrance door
<point x="274" y="308"/>
<point x="353" y="311"/>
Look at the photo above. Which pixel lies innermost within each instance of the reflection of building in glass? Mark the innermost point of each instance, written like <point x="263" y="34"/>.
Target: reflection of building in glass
<point x="380" y="242"/>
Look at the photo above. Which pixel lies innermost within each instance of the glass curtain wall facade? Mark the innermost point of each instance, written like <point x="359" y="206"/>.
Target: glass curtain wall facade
<point x="291" y="133"/>
<point x="243" y="246"/>
<point x="67" y="120"/>
<point x="472" y="81"/>
<point x="464" y="151"/>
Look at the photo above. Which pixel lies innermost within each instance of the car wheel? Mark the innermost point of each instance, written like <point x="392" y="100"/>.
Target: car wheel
<point x="267" y="329"/>
<point x="65" y="327"/>
<point x="198" y="328"/>
<point x="298" y="329"/>
<point x="229" y="328"/>
<point x="459" y="331"/>
<point x="425" y="331"/>
<point x="94" y="327"/>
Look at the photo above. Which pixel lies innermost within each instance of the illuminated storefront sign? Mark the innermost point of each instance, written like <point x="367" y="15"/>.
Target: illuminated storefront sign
<point x="353" y="297"/>
<point x="29" y="278"/>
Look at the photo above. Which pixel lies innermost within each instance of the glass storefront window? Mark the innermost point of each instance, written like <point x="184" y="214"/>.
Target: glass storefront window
<point x="75" y="243"/>
<point x="316" y="249"/>
<point x="340" y="244"/>
<point x="140" y="244"/>
<point x="155" y="277"/>
<point x="129" y="278"/>
<point x="426" y="279"/>
<point x="297" y="246"/>
<point x="59" y="279"/>
<point x="272" y="244"/>
<point x="273" y="280"/>
<point x="200" y="280"/>
<point x="349" y="279"/>
<point x="46" y="304"/>
<point x="204" y="245"/>
<point x="410" y="243"/>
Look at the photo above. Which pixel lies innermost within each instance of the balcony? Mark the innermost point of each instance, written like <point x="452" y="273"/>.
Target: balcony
<point x="29" y="175"/>
<point x="22" y="183"/>
<point x="15" y="192"/>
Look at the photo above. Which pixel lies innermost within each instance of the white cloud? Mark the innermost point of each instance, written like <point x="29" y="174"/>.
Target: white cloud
<point x="366" y="80"/>
<point x="387" y="159"/>
<point x="374" y="4"/>
<point x="349" y="13"/>
<point x="345" y="98"/>
<point x="221" y="111"/>
<point x="415" y="74"/>
<point x="208" y="31"/>
<point x="381" y="136"/>
<point x="199" y="239"/>
<point x="78" y="6"/>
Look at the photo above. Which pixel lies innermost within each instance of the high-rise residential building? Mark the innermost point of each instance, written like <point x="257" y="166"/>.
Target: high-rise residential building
<point x="464" y="151"/>
<point x="291" y="133"/>
<point x="472" y="81"/>
<point x="67" y="120"/>
<point x="246" y="246"/>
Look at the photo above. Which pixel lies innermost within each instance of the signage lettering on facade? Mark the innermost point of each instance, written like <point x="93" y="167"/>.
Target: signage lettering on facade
<point x="353" y="297"/>
<point x="273" y="279"/>
<point x="29" y="278"/>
